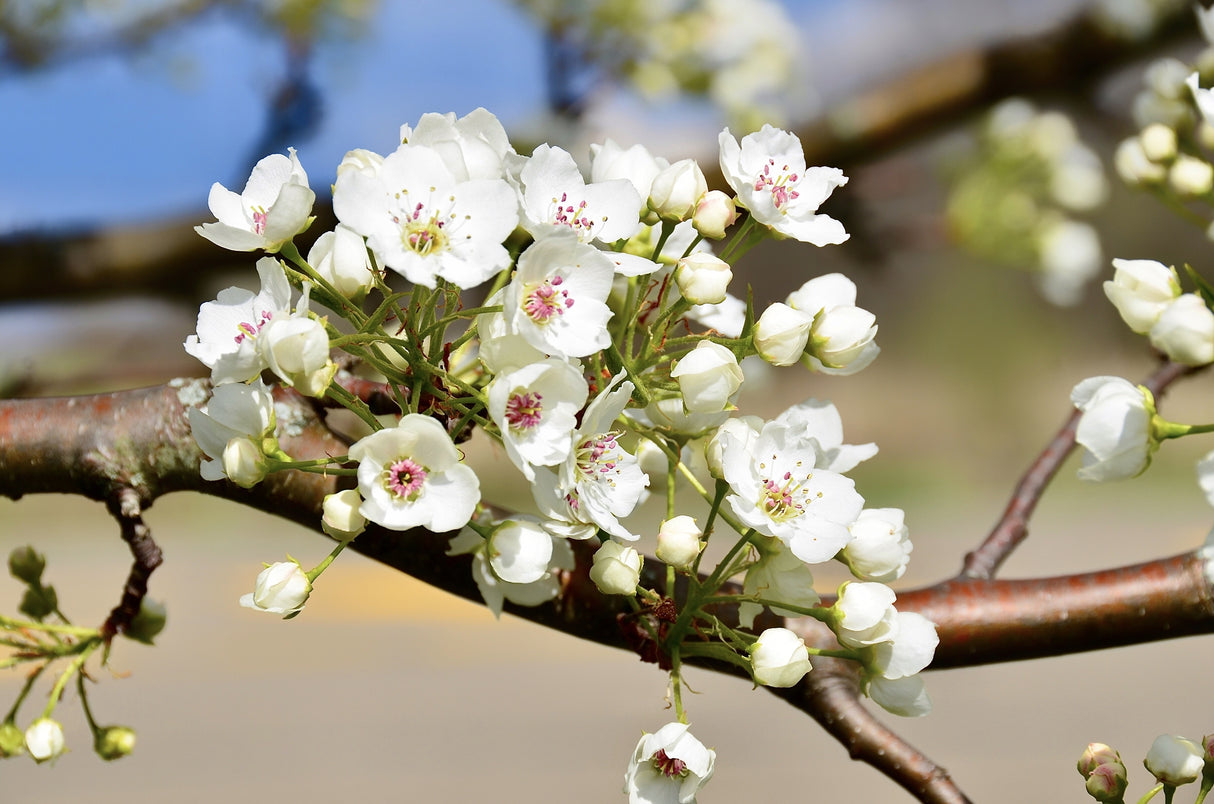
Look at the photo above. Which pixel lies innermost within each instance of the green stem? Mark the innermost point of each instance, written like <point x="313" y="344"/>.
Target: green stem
<point x="315" y="572"/>
<point x="1151" y="793"/>
<point x="72" y="669"/>
<point x="9" y="624"/>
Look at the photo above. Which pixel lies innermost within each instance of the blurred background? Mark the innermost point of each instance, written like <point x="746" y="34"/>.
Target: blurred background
<point x="983" y="141"/>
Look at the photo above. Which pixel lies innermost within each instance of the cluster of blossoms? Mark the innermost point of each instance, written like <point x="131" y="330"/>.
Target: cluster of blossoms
<point x="604" y="334"/>
<point x="1173" y="761"/>
<point x="1015" y="199"/>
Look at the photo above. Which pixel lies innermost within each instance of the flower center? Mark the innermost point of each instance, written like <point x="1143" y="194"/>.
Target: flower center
<point x="546" y="300"/>
<point x="523" y="410"/>
<point x="259" y="220"/>
<point x="405" y="479"/>
<point x="781" y="185"/>
<point x="668" y="766"/>
<point x="599" y="457"/>
<point x="250" y="330"/>
<point x="565" y="213"/>
<point x="422" y="232"/>
<point x="784" y="498"/>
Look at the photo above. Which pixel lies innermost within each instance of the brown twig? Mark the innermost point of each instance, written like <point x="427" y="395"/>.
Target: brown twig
<point x="1012" y="527"/>
<point x="125" y="507"/>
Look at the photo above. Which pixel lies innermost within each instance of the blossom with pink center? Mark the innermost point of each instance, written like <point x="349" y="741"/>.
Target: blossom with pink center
<point x="555" y="197"/>
<point x="411" y="476"/>
<point x="423" y="222"/>
<point x="669" y="765"/>
<point x="767" y="171"/>
<point x="273" y="207"/>
<point x="229" y="328"/>
<point x="557" y="300"/>
<point x="535" y="408"/>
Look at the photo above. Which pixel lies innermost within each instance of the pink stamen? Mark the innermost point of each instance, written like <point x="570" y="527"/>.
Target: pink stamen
<point x="668" y="766"/>
<point x="405" y="479"/>
<point x="523" y="410"/>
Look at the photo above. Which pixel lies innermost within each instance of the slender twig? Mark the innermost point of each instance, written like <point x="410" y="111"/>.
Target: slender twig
<point x="125" y="507"/>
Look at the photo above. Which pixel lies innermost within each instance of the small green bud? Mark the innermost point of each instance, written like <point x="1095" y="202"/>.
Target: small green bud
<point x="114" y="742"/>
<point x="26" y="565"/>
<point x="12" y="740"/>
<point x="147" y="623"/>
<point x="38" y="602"/>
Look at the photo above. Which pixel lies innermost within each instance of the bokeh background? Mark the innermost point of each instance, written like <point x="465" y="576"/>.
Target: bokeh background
<point x="113" y="128"/>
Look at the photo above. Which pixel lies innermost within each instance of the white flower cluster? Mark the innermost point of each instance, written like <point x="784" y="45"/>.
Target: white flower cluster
<point x="606" y="326"/>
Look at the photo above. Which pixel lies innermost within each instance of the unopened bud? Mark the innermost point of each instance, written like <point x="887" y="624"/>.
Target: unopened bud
<point x="715" y="212"/>
<point x="679" y="542"/>
<point x="12" y="740"/>
<point x="1107" y="782"/>
<point x="114" y="742"/>
<point x="676" y="189"/>
<point x="1093" y="756"/>
<point x="26" y="564"/>
<point x="1191" y="176"/>
<point x="1158" y="142"/>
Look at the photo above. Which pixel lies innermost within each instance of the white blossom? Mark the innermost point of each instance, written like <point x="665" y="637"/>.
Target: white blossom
<point x="44" y="739"/>
<point x="777" y="575"/>
<point x="709" y="378"/>
<point x="555" y="197"/>
<point x="677" y="189"/>
<point x="679" y="541"/>
<point x="340" y="256"/>
<point x="496" y="591"/>
<point x="235" y="413"/>
<point x="1140" y="290"/>
<point x="340" y="517"/>
<point x="273" y="207"/>
<point x="779" y="658"/>
<point x="535" y="408"/>
<point x="1184" y="330"/>
<point x="616" y="569"/>
<point x="1115" y="428"/>
<point x="703" y="278"/>
<point x="282" y="588"/>
<point x="473" y="147"/>
<point x="411" y="476"/>
<point x="880" y="545"/>
<point x="1174" y="760"/>
<point x="865" y="614"/>
<point x="668" y="766"/>
<point x="768" y="173"/>
<point x="781" y="334"/>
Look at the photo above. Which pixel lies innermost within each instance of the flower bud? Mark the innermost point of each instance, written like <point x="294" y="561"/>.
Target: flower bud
<point x="880" y="545"/>
<point x="297" y="350"/>
<point x="520" y="551"/>
<point x="709" y="377"/>
<point x="1140" y="290"/>
<point x="779" y="658"/>
<point x="114" y="742"/>
<point x="281" y="588"/>
<point x="617" y="569"/>
<point x="840" y="335"/>
<point x="12" y="740"/>
<point x="340" y="256"/>
<point x="743" y="427"/>
<point x="781" y="334"/>
<point x="715" y="212"/>
<point x="26" y="564"/>
<point x="1134" y="167"/>
<point x="243" y="462"/>
<point x="360" y="160"/>
<point x="1191" y="176"/>
<point x="148" y="623"/>
<point x="44" y="739"/>
<point x="1158" y="142"/>
<point x="1094" y="755"/>
<point x="676" y="189"/>
<point x="1174" y="760"/>
<point x="340" y="517"/>
<point x="703" y="278"/>
<point x="1185" y="331"/>
<point x="679" y="542"/>
<point x="1108" y="782"/>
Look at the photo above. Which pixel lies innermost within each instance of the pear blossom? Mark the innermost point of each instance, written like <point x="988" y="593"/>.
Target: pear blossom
<point x="1174" y="760"/>
<point x="909" y="650"/>
<point x="779" y="491"/>
<point x="779" y="658"/>
<point x="273" y="207"/>
<point x="1191" y="176"/>
<point x="360" y="160"/>
<point x="340" y="517"/>
<point x="600" y="481"/>
<point x="494" y="590"/>
<point x="781" y="334"/>
<point x="229" y="327"/>
<point x="424" y="223"/>
<point x="820" y="422"/>
<point x="841" y="337"/>
<point x="715" y="212"/>
<point x="679" y="541"/>
<point x="535" y="408"/>
<point x="880" y="546"/>
<point x="636" y="164"/>
<point x="555" y="197"/>
<point x="340" y="256"/>
<point x="865" y="614"/>
<point x="1070" y="255"/>
<point x="1134" y="166"/>
<point x="282" y="588"/>
<point x="1184" y="330"/>
<point x="777" y="575"/>
<point x="557" y="300"/>
<point x="743" y="428"/>
<point x="296" y="348"/>
<point x="677" y="189"/>
<point x="519" y="551"/>
<point x="668" y="766"/>
<point x="1115" y="428"/>
<point x="768" y="173"/>
<point x="1158" y="142"/>
<point x="616" y="569"/>
<point x="905" y="697"/>
<point x="501" y="350"/>
<point x="702" y="278"/>
<point x="473" y="147"/>
<point x="44" y="739"/>
<point x="709" y="378"/>
<point x="727" y="317"/>
<point x="411" y="476"/>
<point x="236" y="413"/>
<point x="1140" y="290"/>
